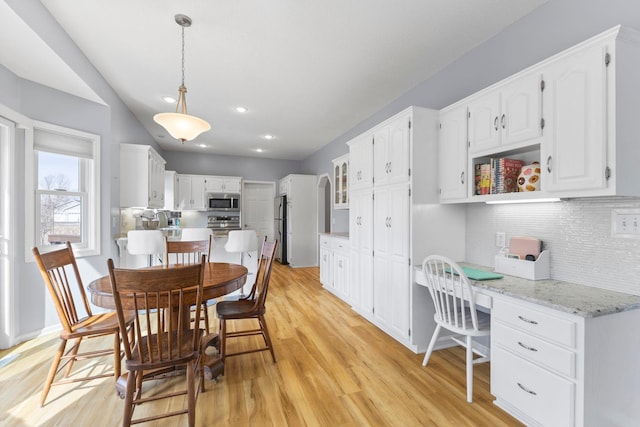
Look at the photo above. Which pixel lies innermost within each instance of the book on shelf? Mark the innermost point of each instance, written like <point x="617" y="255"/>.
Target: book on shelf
<point x="498" y="176"/>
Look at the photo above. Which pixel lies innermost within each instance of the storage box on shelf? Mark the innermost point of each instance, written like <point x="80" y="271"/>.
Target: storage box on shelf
<point x="573" y="113"/>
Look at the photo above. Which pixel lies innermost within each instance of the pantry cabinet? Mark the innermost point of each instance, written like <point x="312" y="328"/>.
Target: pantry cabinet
<point x="141" y="177"/>
<point x="388" y="211"/>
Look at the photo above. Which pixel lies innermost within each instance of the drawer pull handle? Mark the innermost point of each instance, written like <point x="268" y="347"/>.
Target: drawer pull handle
<point x="526" y="347"/>
<point x="524" y="319"/>
<point x="527" y="390"/>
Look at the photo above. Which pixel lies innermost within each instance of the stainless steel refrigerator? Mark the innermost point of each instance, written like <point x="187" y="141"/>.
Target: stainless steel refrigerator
<point x="280" y="216"/>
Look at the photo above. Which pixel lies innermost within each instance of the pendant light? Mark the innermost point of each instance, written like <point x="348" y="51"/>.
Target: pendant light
<point x="180" y="124"/>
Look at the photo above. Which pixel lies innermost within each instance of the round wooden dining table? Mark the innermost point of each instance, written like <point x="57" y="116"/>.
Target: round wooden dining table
<point x="220" y="278"/>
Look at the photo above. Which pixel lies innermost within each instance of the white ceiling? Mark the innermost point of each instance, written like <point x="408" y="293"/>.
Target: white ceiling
<point x="308" y="71"/>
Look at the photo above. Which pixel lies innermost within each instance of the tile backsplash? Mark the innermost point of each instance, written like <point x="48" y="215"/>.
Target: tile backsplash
<point x="576" y="232"/>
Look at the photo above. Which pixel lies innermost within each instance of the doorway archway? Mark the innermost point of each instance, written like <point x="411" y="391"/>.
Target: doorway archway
<point x="324" y="204"/>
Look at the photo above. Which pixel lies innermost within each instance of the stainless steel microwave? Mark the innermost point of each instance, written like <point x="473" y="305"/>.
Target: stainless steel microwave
<point x="223" y="201"/>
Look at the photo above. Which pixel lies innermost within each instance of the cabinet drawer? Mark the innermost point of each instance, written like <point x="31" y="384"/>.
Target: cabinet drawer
<point x="542" y="324"/>
<point x="536" y="392"/>
<point x="325" y="240"/>
<point x="536" y="350"/>
<point x="340" y="244"/>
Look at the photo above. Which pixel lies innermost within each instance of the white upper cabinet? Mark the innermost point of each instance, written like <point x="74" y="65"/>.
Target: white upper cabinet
<point x="574" y="154"/>
<point x="453" y="154"/>
<point x="575" y="113"/>
<point x="361" y="162"/>
<point x="391" y="152"/>
<point x="229" y="184"/>
<point x="341" y="180"/>
<point x="190" y="192"/>
<point x="141" y="177"/>
<point x="507" y="115"/>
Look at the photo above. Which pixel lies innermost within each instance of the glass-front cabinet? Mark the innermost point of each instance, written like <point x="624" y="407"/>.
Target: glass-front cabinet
<point x="341" y="182"/>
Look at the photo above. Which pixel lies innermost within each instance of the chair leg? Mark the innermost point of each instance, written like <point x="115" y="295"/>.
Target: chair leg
<point x="432" y="344"/>
<point x="469" y="369"/>
<point x="191" y="395"/>
<point x="223" y="341"/>
<point x="72" y="356"/>
<point x="116" y="356"/>
<point x="265" y="334"/>
<point x="132" y="381"/>
<point x="205" y="310"/>
<point x="52" y="371"/>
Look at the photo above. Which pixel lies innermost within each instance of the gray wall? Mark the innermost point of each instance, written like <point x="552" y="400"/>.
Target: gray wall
<point x="556" y="25"/>
<point x="250" y="168"/>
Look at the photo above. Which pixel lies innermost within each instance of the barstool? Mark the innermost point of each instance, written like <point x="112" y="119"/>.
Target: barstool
<point x="241" y="241"/>
<point x="145" y="242"/>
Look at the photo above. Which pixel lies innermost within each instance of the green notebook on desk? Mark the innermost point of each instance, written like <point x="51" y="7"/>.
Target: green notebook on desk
<point x="475" y="274"/>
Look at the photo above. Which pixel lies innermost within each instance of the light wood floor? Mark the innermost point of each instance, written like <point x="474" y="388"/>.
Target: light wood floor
<point x="334" y="369"/>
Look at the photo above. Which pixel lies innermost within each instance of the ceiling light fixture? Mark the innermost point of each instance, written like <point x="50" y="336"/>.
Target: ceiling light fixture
<point x="180" y="124"/>
<point x="169" y="99"/>
<point x="268" y="137"/>
<point x="242" y="109"/>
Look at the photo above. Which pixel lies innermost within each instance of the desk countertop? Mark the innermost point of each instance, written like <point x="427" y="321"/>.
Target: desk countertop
<point x="581" y="300"/>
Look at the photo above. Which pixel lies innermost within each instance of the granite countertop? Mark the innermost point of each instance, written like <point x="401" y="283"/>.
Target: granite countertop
<point x="342" y="234"/>
<point x="581" y="300"/>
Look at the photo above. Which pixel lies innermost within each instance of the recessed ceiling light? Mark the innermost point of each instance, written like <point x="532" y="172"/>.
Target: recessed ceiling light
<point x="203" y="145"/>
<point x="268" y="136"/>
<point x="169" y="99"/>
<point x="259" y="150"/>
<point x="242" y="109"/>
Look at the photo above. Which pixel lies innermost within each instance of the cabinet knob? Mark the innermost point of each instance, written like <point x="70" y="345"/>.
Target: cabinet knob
<point x="527" y="390"/>
<point x="495" y="123"/>
<point x="462" y="177"/>
<point x="502" y="121"/>
<point x="549" y="164"/>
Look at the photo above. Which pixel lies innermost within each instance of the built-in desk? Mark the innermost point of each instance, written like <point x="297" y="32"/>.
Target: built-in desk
<point x="561" y="353"/>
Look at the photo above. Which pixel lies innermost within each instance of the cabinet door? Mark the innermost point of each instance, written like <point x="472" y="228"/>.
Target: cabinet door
<point x="183" y="192"/>
<point x="484" y="122"/>
<point x="574" y="148"/>
<point x="341" y="275"/>
<point x="361" y="162"/>
<point x="361" y="242"/>
<point x="232" y="185"/>
<point x="198" y="192"/>
<point x="521" y="110"/>
<point x="326" y="267"/>
<point x="156" y="180"/>
<point x="214" y="184"/>
<point x="453" y="155"/>
<point x="399" y="150"/>
<point x="398" y="318"/>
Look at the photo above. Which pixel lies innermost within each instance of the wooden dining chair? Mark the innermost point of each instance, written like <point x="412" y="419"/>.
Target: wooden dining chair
<point x="157" y="347"/>
<point x="189" y="252"/>
<point x="60" y="273"/>
<point x="455" y="310"/>
<point x="250" y="307"/>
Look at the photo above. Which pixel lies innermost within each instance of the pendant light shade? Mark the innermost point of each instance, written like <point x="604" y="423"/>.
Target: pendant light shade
<point x="180" y="124"/>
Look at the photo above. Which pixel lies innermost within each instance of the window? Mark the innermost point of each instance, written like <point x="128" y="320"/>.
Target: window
<point x="64" y="168"/>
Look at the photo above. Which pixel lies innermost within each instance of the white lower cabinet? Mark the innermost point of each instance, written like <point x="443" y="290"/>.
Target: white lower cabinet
<point x="334" y="265"/>
<point x="551" y="368"/>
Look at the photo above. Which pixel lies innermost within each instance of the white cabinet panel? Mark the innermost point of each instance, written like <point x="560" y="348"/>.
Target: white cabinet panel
<point x="453" y="155"/>
<point x="141" y="177"/>
<point x="361" y="162"/>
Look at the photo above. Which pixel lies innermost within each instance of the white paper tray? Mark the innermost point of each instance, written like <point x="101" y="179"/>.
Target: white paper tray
<point x="532" y="270"/>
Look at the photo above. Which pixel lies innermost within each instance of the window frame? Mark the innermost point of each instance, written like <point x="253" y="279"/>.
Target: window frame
<point x="89" y="191"/>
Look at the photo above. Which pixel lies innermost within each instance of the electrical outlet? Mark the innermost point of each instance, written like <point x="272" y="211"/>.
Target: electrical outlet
<point x="625" y="223"/>
<point x="501" y="239"/>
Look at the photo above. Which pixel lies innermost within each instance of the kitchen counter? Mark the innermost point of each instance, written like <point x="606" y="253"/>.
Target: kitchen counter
<point x="342" y="234"/>
<point x="581" y="300"/>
